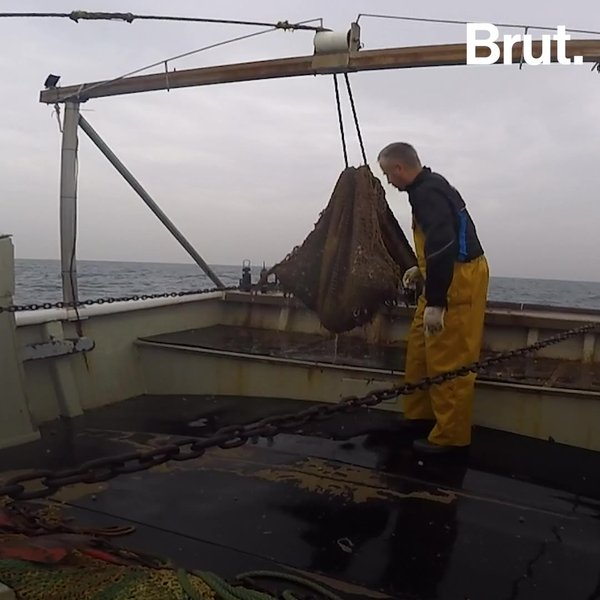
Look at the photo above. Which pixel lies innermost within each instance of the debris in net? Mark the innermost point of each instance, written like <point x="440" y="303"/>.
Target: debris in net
<point x="351" y="264"/>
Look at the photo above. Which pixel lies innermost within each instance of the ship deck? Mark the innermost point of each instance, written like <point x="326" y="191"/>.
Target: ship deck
<point x="345" y="502"/>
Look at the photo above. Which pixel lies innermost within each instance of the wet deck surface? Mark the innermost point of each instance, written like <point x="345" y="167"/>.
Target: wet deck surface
<point x="356" y="352"/>
<point x="347" y="500"/>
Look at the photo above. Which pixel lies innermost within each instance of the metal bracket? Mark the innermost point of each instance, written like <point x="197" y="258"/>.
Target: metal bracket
<point x="56" y="348"/>
<point x="333" y="48"/>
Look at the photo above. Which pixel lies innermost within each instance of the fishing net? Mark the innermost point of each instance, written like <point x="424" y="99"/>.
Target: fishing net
<point x="81" y="577"/>
<point x="352" y="263"/>
<point x="45" y="557"/>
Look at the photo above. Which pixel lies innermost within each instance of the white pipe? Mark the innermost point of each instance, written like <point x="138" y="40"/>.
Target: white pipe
<point x="39" y="317"/>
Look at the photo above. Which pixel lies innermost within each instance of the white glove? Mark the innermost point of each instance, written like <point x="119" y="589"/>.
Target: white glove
<point x="433" y="319"/>
<point x="410" y="277"/>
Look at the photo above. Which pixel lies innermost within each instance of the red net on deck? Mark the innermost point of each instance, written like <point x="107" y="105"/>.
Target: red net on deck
<point x="353" y="260"/>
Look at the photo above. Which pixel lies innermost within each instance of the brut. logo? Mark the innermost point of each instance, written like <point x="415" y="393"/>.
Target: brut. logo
<point x="545" y="57"/>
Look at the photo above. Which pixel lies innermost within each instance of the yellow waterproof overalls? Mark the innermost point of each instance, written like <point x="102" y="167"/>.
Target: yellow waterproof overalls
<point x="449" y="403"/>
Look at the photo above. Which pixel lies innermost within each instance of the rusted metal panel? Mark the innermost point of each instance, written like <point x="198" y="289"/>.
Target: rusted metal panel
<point x="56" y="348"/>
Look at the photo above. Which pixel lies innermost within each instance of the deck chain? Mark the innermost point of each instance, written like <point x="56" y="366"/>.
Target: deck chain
<point x="111" y="300"/>
<point x="43" y="483"/>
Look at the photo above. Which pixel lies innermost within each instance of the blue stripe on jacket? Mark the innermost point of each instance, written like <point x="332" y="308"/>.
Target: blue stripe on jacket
<point x="462" y="236"/>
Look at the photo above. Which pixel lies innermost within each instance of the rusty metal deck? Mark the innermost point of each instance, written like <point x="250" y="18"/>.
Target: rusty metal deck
<point x="532" y="370"/>
<point x="515" y="519"/>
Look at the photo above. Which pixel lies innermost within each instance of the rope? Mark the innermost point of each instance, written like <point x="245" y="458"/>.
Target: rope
<point x="457" y="22"/>
<point x="101" y="84"/>
<point x="78" y="15"/>
<point x="340" y="120"/>
<point x="360" y="140"/>
<point x="294" y="579"/>
<point x="186" y="586"/>
<point x="164" y="61"/>
<point x="225" y="591"/>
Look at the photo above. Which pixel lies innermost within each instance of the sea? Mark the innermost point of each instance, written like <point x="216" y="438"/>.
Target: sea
<point x="38" y="281"/>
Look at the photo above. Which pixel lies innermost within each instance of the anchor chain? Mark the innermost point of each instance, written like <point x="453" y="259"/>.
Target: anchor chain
<point x="111" y="300"/>
<point x="43" y="483"/>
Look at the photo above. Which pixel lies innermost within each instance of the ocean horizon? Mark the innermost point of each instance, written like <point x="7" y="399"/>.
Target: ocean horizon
<point x="38" y="280"/>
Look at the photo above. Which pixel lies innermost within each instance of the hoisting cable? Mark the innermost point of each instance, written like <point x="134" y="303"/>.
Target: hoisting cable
<point x="164" y="62"/>
<point x="84" y="15"/>
<point x="458" y="22"/>
<point x="360" y="140"/>
<point x="340" y="119"/>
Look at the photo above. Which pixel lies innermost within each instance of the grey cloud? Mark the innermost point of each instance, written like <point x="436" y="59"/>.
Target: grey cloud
<point x="244" y="169"/>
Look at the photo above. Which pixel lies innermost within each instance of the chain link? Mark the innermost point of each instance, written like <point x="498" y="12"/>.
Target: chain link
<point x="43" y="483"/>
<point x="111" y="300"/>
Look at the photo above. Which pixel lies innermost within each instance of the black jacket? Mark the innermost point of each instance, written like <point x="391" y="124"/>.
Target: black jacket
<point x="450" y="235"/>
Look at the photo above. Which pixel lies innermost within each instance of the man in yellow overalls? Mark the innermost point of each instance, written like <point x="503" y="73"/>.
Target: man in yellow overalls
<point x="447" y="327"/>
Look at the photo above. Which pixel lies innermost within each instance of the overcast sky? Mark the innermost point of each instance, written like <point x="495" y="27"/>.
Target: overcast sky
<point x="244" y="169"/>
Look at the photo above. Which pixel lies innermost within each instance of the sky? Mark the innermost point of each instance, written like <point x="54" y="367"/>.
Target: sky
<point x="244" y="169"/>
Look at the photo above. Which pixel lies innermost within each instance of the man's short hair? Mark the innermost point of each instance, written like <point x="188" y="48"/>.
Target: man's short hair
<point x="401" y="152"/>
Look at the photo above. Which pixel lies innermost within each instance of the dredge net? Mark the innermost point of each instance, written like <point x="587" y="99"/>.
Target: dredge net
<point x="352" y="263"/>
